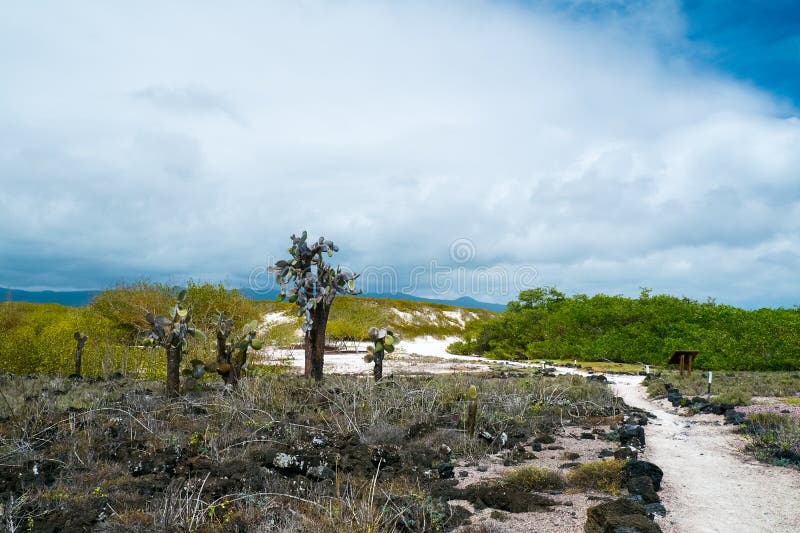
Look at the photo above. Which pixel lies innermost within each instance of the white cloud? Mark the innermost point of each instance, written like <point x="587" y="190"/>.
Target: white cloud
<point x="191" y="139"/>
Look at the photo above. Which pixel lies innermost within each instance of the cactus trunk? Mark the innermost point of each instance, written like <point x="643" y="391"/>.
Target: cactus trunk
<point x="472" y="410"/>
<point x="222" y="339"/>
<point x="78" y="354"/>
<point x="377" y="371"/>
<point x="173" y="371"/>
<point x="314" y="343"/>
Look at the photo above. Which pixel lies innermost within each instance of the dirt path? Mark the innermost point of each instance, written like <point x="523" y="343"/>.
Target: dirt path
<point x="709" y="486"/>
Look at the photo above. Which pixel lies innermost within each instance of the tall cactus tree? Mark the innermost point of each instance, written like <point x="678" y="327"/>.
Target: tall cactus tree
<point x="383" y="343"/>
<point x="172" y="334"/>
<point x="311" y="283"/>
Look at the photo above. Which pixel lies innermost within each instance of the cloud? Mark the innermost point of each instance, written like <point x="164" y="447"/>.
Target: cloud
<point x="568" y="139"/>
<point x="187" y="100"/>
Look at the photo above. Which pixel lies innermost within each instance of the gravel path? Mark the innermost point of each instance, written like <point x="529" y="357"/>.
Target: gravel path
<point x="709" y="485"/>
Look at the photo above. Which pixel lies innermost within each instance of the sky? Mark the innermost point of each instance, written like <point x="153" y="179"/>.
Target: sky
<point x="449" y="148"/>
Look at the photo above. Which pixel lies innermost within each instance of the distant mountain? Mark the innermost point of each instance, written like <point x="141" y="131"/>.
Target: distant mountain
<point x="464" y="301"/>
<point x="70" y="298"/>
<point x="79" y="298"/>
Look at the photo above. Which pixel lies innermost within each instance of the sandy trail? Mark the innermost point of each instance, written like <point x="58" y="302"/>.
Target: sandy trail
<point x="709" y="485"/>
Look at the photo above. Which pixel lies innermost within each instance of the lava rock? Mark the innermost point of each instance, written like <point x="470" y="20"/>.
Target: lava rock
<point x="619" y="516"/>
<point x="637" y="468"/>
<point x="643" y="486"/>
<point x="632" y="434"/>
<point x="446" y="471"/>
<point x="626" y="452"/>
<point x="545" y="439"/>
<point x="732" y="416"/>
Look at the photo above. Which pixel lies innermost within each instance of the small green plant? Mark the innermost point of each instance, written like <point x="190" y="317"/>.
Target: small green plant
<point x="231" y="353"/>
<point x="383" y="342"/>
<point x="603" y="476"/>
<point x="734" y="397"/>
<point x="534" y="478"/>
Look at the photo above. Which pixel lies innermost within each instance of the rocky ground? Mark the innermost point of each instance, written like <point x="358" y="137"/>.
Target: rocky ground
<point x="283" y="454"/>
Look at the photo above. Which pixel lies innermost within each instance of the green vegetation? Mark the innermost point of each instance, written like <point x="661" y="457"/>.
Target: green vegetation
<point x="545" y="324"/>
<point x="736" y="388"/>
<point x="535" y="479"/>
<point x="773" y="438"/>
<point x="39" y="338"/>
<point x="604" y="476"/>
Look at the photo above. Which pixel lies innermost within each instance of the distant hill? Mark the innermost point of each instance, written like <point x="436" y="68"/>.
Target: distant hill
<point x="70" y="298"/>
<point x="464" y="301"/>
<point x="80" y="298"/>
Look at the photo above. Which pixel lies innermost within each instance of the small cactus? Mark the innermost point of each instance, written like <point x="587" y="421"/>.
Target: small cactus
<point x="472" y="409"/>
<point x="383" y="342"/>
<point x="81" y="339"/>
<point x="231" y="354"/>
<point x="172" y="334"/>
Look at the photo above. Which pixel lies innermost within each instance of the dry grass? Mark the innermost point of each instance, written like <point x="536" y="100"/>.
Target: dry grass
<point x="603" y="476"/>
<point x="536" y="479"/>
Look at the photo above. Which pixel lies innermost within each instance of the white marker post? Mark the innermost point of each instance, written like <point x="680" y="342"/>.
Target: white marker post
<point x="647" y="369"/>
<point x="709" y="383"/>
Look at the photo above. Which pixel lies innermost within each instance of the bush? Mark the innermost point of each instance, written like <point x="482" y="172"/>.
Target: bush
<point x="735" y="397"/>
<point x="773" y="438"/>
<point x="126" y="305"/>
<point x="534" y="478"/>
<point x="38" y="338"/>
<point x="603" y="476"/>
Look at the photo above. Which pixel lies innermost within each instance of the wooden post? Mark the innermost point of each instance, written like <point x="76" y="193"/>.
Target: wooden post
<point x="690" y="364"/>
<point x="683" y="357"/>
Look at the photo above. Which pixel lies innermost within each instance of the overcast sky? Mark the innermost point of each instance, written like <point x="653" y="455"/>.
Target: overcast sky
<point x="595" y="146"/>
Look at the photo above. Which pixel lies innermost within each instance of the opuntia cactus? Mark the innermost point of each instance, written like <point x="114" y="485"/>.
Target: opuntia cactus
<point x="81" y="339"/>
<point x="383" y="342"/>
<point x="231" y="355"/>
<point x="309" y="282"/>
<point x="172" y="335"/>
<point x="472" y="409"/>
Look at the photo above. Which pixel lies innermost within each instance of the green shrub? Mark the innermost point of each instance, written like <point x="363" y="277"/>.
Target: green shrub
<point x="603" y="476"/>
<point x="735" y="397"/>
<point x="534" y="478"/>
<point x="773" y="438"/>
